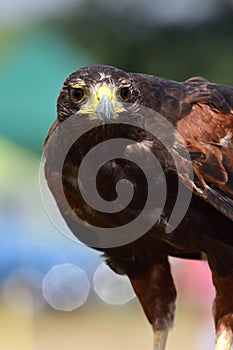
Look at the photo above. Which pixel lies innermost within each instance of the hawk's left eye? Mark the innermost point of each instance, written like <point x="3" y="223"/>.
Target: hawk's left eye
<point x="76" y="94"/>
<point x="125" y="92"/>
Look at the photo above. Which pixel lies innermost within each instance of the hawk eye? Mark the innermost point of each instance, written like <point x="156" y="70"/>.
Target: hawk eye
<point x="125" y="92"/>
<point x="76" y="94"/>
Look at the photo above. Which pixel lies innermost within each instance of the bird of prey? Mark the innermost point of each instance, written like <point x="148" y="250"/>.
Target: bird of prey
<point x="197" y="157"/>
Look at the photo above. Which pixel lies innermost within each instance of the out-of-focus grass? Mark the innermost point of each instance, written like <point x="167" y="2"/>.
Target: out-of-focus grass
<point x="101" y="327"/>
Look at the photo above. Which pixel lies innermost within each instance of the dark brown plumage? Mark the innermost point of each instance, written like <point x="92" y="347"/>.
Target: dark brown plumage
<point x="202" y="116"/>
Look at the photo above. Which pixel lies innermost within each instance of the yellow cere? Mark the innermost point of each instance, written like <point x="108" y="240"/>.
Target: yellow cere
<point x="104" y="90"/>
<point x="111" y="93"/>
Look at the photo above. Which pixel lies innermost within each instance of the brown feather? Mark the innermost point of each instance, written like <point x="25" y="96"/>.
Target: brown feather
<point x="202" y="116"/>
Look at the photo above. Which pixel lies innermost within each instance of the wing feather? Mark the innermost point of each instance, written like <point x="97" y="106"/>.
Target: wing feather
<point x="207" y="132"/>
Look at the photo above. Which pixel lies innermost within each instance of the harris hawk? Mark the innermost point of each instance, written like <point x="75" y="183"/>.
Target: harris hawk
<point x="195" y="153"/>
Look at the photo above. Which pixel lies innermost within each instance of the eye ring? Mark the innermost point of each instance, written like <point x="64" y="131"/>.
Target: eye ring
<point x="125" y="92"/>
<point x="76" y="94"/>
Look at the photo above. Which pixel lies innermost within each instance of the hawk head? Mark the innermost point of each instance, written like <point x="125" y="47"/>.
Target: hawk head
<point x="98" y="92"/>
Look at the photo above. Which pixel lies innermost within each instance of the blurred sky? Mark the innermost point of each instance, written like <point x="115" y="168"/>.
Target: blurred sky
<point x="163" y="11"/>
<point x="19" y="12"/>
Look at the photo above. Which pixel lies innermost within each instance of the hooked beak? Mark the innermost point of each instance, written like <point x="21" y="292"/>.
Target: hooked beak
<point x="104" y="109"/>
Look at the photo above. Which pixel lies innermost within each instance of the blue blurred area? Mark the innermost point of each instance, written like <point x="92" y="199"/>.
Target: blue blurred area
<point x="28" y="237"/>
<point x="23" y="246"/>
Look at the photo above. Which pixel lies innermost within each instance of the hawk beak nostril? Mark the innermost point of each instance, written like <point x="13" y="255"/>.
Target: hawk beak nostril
<point x="104" y="109"/>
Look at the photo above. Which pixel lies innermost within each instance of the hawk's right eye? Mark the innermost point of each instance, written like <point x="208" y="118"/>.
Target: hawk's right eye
<point x="125" y="92"/>
<point x="76" y="94"/>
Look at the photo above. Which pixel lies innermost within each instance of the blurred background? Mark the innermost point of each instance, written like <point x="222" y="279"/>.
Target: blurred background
<point x="41" y="42"/>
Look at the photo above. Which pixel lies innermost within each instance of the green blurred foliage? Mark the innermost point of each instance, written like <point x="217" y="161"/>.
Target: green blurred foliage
<point x="175" y="52"/>
<point x="34" y="62"/>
